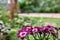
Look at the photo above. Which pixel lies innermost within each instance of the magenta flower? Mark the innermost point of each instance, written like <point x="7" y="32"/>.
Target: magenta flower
<point x="40" y="30"/>
<point x="51" y="28"/>
<point x="22" y="34"/>
<point x="56" y="28"/>
<point x="47" y="29"/>
<point x="35" y="30"/>
<point x="55" y="34"/>
<point x="28" y="29"/>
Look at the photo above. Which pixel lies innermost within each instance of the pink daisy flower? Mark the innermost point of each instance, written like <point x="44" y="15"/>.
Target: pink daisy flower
<point x="28" y="29"/>
<point x="22" y="34"/>
<point x="35" y="30"/>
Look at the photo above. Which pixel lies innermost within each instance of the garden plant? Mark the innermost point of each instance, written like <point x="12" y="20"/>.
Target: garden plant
<point x="25" y="28"/>
<point x="38" y="6"/>
<point x="39" y="33"/>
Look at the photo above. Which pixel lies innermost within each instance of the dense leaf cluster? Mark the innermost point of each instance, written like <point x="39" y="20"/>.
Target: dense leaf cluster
<point x="40" y="6"/>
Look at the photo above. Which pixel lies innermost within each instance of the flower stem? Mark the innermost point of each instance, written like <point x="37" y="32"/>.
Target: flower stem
<point x="53" y="38"/>
<point x="28" y="38"/>
<point x="34" y="37"/>
<point x="47" y="37"/>
<point x="40" y="36"/>
<point x="43" y="36"/>
<point x="57" y="34"/>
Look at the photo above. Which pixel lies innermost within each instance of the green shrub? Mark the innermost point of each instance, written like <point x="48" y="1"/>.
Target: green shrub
<point x="39" y="6"/>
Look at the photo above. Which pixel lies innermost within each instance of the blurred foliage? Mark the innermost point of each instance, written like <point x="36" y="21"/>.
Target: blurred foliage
<point x="39" y="6"/>
<point x="20" y="21"/>
<point x="3" y="14"/>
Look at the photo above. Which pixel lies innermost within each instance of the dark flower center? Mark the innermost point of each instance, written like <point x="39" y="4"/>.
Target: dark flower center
<point x="23" y="33"/>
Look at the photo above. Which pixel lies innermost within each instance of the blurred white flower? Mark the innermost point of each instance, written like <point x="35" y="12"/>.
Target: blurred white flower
<point x="3" y="30"/>
<point x="1" y="22"/>
<point x="7" y="31"/>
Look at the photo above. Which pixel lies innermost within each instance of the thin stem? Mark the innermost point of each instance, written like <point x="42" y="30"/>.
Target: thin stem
<point x="53" y="38"/>
<point x="47" y="37"/>
<point x="34" y="37"/>
<point x="57" y="33"/>
<point x="40" y="36"/>
<point x="28" y="38"/>
<point x="43" y="35"/>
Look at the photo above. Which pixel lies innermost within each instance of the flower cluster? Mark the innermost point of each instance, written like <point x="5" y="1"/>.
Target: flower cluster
<point x="46" y="30"/>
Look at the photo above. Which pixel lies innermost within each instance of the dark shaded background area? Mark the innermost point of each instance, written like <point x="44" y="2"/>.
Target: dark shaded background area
<point x="39" y="6"/>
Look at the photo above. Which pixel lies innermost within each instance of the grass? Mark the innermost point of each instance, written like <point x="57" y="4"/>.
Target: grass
<point x="36" y="21"/>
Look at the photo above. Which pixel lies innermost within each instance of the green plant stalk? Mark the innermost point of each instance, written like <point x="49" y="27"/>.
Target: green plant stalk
<point x="53" y="38"/>
<point x="40" y="37"/>
<point x="34" y="37"/>
<point x="43" y="36"/>
<point x="47" y="37"/>
<point x="28" y="38"/>
<point x="57" y="33"/>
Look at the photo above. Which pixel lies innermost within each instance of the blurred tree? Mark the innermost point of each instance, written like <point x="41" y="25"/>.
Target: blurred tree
<point x="13" y="8"/>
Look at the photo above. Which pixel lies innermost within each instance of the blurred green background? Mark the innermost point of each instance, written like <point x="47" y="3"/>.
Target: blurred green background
<point x="20" y="21"/>
<point x="39" y="6"/>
